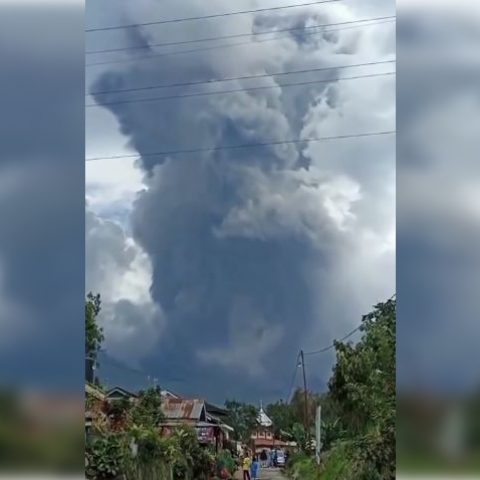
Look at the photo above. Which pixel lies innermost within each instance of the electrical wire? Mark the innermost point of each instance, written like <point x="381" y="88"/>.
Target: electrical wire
<point x="230" y="45"/>
<point x="106" y="359"/>
<point x="238" y="35"/>
<point x="247" y="89"/>
<point x="329" y="347"/>
<point x="243" y="77"/>
<point x="316" y="352"/>
<point x="207" y="17"/>
<point x="244" y="146"/>
<point x="294" y="377"/>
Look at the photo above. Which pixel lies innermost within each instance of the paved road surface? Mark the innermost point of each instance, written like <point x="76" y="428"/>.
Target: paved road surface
<point x="266" y="474"/>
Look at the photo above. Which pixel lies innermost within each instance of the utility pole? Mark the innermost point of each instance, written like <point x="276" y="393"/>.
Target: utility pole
<point x="90" y="369"/>
<point x="305" y="399"/>
<point x="318" y="433"/>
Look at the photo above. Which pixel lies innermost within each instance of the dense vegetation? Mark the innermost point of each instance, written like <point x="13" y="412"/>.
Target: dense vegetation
<point x="358" y="411"/>
<point x="136" y="448"/>
<point x="359" y="431"/>
<point x="126" y="440"/>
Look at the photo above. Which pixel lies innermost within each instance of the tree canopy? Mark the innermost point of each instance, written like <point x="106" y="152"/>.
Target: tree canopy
<point x="243" y="418"/>
<point x="93" y="332"/>
<point x="363" y="386"/>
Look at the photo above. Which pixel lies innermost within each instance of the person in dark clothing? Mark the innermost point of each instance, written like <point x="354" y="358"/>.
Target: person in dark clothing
<point x="263" y="458"/>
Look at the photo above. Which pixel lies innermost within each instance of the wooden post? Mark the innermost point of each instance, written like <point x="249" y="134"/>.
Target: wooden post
<point x="305" y="395"/>
<point x="318" y="434"/>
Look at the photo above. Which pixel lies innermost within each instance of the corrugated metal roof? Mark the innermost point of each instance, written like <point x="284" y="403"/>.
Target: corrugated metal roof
<point x="94" y="391"/>
<point x="180" y="423"/>
<point x="218" y="421"/>
<point x="180" y="409"/>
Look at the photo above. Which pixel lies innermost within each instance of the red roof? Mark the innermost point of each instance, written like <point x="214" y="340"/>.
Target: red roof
<point x="268" y="442"/>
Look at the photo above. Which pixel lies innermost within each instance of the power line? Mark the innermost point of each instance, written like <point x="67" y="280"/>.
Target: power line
<point x="329" y="347"/>
<point x="316" y="352"/>
<point x="247" y="89"/>
<point x="120" y="366"/>
<point x="294" y="377"/>
<point x="238" y="35"/>
<point x="206" y="17"/>
<point x="230" y="45"/>
<point x="244" y="146"/>
<point x="244" y="77"/>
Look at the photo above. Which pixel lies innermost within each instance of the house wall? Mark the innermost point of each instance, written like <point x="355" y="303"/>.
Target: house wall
<point x="263" y="434"/>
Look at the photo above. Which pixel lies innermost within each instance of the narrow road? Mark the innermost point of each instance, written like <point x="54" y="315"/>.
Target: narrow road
<point x="265" y="474"/>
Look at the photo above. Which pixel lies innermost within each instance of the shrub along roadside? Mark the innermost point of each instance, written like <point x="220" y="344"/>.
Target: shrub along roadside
<point x="336" y="465"/>
<point x="126" y="445"/>
<point x="361" y="444"/>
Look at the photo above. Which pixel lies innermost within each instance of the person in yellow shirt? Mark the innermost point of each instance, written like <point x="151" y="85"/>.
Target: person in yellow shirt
<point x="246" y="464"/>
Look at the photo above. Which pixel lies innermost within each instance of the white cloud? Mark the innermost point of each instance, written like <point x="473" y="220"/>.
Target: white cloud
<point x="289" y="203"/>
<point x="118" y="270"/>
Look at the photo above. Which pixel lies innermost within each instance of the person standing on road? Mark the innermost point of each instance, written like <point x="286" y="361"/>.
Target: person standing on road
<point x="254" y="468"/>
<point x="247" y="463"/>
<point x="270" y="458"/>
<point x="263" y="459"/>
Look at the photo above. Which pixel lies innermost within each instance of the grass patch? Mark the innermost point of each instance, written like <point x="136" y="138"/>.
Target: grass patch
<point x="335" y="466"/>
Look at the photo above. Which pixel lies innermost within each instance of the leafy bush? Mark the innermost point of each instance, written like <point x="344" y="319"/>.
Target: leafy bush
<point x="304" y="468"/>
<point x="120" y="424"/>
<point x="181" y="469"/>
<point x="337" y="464"/>
<point x="332" y="432"/>
<point x="194" y="461"/>
<point x="376" y="452"/>
<point x="225" y="460"/>
<point x="147" y="410"/>
<point x="105" y="457"/>
<point x="203" y="465"/>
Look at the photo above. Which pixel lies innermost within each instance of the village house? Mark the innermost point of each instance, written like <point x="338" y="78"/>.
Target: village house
<point x="207" y="420"/>
<point x="263" y="438"/>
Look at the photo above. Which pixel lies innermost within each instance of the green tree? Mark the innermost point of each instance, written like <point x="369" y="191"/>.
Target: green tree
<point x="243" y="418"/>
<point x="147" y="411"/>
<point x="93" y="332"/>
<point x="363" y="385"/>
<point x="297" y="406"/>
<point x="283" y="418"/>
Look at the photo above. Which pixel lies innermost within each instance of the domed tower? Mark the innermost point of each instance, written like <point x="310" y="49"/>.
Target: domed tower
<point x="263" y="419"/>
<point x="263" y="439"/>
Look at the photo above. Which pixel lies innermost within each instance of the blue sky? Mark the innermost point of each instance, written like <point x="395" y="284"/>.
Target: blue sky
<point x="215" y="269"/>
